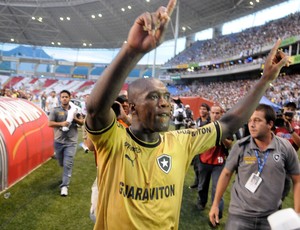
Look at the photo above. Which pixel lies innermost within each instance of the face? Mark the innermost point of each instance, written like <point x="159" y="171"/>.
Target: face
<point x="125" y="106"/>
<point x="288" y="113"/>
<point x="152" y="106"/>
<point x="215" y="113"/>
<point x="258" y="126"/>
<point x="64" y="99"/>
<point x="203" y="111"/>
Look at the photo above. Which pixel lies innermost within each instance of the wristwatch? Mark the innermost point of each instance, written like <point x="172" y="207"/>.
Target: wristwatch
<point x="292" y="131"/>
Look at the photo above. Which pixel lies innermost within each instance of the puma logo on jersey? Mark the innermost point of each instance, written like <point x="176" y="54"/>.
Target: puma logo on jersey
<point x="132" y="148"/>
<point x="128" y="157"/>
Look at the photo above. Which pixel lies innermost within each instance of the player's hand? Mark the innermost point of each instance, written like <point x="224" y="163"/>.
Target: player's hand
<point x="275" y="61"/>
<point x="149" y="28"/>
<point x="214" y="216"/>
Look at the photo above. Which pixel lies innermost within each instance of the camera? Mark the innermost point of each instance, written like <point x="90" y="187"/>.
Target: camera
<point x="279" y="121"/>
<point x="116" y="108"/>
<point x="289" y="114"/>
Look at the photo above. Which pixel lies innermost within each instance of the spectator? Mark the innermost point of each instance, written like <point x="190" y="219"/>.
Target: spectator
<point x="51" y="102"/>
<point x="201" y="121"/>
<point x="204" y="115"/>
<point x="210" y="166"/>
<point x="189" y="120"/>
<point x="285" y="128"/>
<point x="122" y="99"/>
<point x="43" y="101"/>
<point x="179" y="116"/>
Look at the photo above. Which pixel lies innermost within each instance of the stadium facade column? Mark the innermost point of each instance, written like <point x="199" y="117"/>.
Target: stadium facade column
<point x="190" y="39"/>
<point x="217" y="31"/>
<point x="290" y="50"/>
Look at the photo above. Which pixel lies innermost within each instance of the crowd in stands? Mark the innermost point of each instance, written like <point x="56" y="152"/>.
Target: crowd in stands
<point x="245" y="43"/>
<point x="32" y="88"/>
<point x="16" y="93"/>
<point x="227" y="93"/>
<point x="221" y="67"/>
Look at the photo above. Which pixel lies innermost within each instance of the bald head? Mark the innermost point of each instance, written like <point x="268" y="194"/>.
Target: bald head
<point x="143" y="85"/>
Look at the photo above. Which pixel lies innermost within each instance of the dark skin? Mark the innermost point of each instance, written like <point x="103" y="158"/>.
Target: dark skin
<point x="145" y="35"/>
<point x="150" y="108"/>
<point x="148" y="111"/>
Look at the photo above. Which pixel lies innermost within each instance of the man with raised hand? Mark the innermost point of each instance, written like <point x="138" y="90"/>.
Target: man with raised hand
<point x="142" y="168"/>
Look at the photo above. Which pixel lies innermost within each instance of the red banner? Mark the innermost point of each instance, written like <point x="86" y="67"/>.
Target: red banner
<point x="26" y="141"/>
<point x="195" y="103"/>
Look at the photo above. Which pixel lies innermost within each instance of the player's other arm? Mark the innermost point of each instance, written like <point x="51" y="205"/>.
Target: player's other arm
<point x="240" y="113"/>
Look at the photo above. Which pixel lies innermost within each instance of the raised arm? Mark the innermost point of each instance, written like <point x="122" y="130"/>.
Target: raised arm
<point x="145" y="35"/>
<point x="240" y="113"/>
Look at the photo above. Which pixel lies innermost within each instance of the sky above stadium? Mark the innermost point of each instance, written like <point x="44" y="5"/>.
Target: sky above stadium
<point x="167" y="50"/>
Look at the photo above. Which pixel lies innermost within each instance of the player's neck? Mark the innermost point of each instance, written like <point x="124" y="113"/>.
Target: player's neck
<point x="145" y="136"/>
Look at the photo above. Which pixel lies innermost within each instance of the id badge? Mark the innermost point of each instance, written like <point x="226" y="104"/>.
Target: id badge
<point x="253" y="182"/>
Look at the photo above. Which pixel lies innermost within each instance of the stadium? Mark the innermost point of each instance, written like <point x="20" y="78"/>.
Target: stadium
<point x="36" y="34"/>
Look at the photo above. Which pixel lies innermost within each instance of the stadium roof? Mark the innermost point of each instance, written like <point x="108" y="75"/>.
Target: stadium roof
<point x="69" y="23"/>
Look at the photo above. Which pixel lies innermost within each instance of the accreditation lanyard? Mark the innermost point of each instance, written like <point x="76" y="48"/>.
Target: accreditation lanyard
<point x="260" y="163"/>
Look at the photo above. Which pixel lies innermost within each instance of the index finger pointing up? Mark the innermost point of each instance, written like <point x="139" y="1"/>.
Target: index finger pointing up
<point x="171" y="6"/>
<point x="273" y="51"/>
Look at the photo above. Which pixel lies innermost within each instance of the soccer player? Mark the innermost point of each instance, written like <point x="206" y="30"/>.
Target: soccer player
<point x="142" y="168"/>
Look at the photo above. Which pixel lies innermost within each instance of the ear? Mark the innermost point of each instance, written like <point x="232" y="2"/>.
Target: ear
<point x="271" y="123"/>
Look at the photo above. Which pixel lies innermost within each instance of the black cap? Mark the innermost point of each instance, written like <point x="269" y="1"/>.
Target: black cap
<point x="291" y="104"/>
<point x="122" y="99"/>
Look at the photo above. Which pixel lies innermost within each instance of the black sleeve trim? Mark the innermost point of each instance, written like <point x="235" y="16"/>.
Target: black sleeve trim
<point x="218" y="130"/>
<point x="98" y="132"/>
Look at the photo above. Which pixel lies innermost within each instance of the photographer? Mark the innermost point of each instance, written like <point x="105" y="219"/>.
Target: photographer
<point x="121" y="115"/>
<point x="285" y="128"/>
<point x="179" y="116"/>
<point x="189" y="120"/>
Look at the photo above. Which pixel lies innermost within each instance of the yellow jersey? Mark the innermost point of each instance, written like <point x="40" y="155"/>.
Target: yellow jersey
<point x="140" y="184"/>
